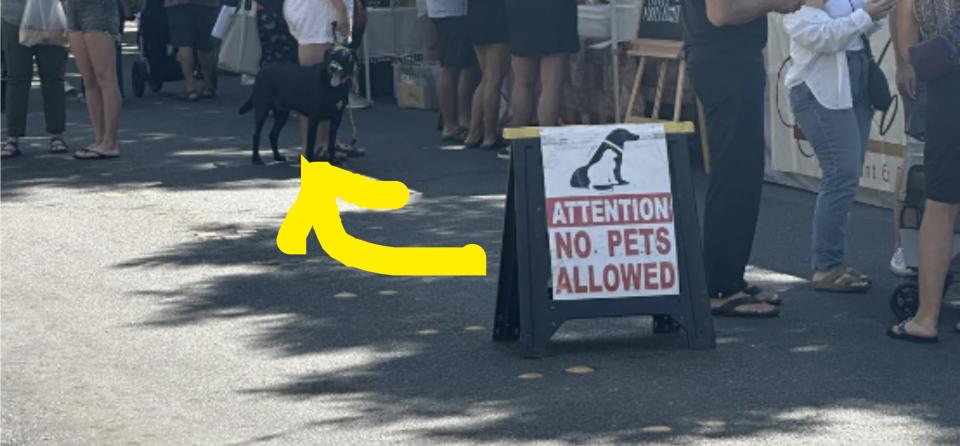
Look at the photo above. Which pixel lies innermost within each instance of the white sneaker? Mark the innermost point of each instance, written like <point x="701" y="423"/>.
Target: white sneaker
<point x="899" y="267"/>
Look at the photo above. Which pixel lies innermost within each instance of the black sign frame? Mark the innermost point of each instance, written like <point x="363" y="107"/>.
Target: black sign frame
<point x="525" y="308"/>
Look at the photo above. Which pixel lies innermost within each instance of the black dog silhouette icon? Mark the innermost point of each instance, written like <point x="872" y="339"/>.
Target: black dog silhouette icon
<point x="602" y="172"/>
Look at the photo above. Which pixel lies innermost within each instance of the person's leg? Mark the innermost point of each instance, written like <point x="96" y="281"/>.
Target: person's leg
<point x="732" y="96"/>
<point x="204" y="20"/>
<point x="92" y="94"/>
<point x="180" y="23"/>
<point x="525" y="73"/>
<point x="941" y="164"/>
<point x="552" y="76"/>
<point x="469" y="80"/>
<point x="51" y="63"/>
<point x="185" y="59"/>
<point x="836" y="139"/>
<point x="312" y="54"/>
<point x="19" y="65"/>
<point x="447" y="96"/>
<point x="207" y="66"/>
<point x="100" y="48"/>
<point x="935" y="250"/>
<point x="475" y="137"/>
<point x="495" y="70"/>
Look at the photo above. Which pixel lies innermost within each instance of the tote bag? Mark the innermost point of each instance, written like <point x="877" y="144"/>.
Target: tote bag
<point x="240" y="50"/>
<point x="43" y="23"/>
<point x="223" y="21"/>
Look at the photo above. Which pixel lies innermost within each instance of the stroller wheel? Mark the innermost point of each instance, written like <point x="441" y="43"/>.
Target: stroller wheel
<point x="138" y="77"/>
<point x="905" y="301"/>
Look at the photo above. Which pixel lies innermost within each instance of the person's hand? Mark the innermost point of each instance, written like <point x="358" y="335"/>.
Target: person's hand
<point x="879" y="9"/>
<point x="786" y="6"/>
<point x="907" y="81"/>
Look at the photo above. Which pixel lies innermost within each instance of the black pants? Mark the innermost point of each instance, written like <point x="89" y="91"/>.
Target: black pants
<point x="732" y="92"/>
<point x="51" y="63"/>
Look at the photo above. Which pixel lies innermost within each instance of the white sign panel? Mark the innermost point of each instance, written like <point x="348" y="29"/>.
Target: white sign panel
<point x="609" y="212"/>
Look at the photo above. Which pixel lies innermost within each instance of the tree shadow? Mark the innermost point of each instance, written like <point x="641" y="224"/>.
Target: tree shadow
<point x="428" y="363"/>
<point x="431" y="363"/>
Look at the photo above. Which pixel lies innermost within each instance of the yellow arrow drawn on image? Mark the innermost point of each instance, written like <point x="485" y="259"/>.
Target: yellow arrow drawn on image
<point x="316" y="209"/>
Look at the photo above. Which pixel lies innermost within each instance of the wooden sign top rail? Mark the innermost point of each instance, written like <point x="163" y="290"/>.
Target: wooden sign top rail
<point x="672" y="128"/>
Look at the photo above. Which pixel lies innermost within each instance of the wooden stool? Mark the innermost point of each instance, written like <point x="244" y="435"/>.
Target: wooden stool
<point x="664" y="53"/>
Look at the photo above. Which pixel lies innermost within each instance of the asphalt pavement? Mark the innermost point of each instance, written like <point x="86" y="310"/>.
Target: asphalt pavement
<point x="144" y="301"/>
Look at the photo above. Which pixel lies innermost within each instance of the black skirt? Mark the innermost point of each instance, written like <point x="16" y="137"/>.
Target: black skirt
<point x="542" y="27"/>
<point x="487" y="20"/>
<point x="941" y="157"/>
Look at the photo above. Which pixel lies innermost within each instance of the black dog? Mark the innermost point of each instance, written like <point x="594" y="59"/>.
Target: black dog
<point x="612" y="147"/>
<point x="319" y="92"/>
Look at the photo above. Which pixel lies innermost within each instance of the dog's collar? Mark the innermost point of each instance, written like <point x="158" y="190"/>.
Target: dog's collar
<point x="611" y="144"/>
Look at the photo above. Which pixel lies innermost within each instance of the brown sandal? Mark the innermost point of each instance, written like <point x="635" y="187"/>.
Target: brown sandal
<point x="842" y="279"/>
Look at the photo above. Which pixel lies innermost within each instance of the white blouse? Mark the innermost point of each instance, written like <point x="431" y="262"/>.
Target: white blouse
<point x="818" y="47"/>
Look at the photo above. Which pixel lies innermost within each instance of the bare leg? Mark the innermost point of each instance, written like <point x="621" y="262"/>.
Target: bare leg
<point x="936" y="248"/>
<point x="552" y="76"/>
<point x="477" y="112"/>
<point x="207" y="64"/>
<point x="312" y="54"/>
<point x="525" y="72"/>
<point x="494" y="71"/>
<point x="101" y="49"/>
<point x="447" y="95"/>
<point x="185" y="58"/>
<point x="94" y="97"/>
<point x="466" y="88"/>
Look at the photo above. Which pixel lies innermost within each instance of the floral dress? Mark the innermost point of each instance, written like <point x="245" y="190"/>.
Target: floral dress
<point x="276" y="42"/>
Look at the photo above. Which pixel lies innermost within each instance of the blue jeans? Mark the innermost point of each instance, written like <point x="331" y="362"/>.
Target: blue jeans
<point x="839" y="138"/>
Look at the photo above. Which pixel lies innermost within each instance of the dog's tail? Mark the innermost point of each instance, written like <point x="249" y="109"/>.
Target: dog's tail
<point x="247" y="106"/>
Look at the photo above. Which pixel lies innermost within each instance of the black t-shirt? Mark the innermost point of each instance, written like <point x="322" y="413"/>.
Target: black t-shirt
<point x="704" y="41"/>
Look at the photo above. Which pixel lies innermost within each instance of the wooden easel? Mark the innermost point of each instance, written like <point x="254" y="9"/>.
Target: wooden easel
<point x="663" y="53"/>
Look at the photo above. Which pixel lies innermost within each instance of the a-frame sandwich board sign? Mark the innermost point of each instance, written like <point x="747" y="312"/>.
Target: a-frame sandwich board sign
<point x="552" y="260"/>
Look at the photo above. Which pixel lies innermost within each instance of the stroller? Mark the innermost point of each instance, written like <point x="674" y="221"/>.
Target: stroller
<point x="158" y="59"/>
<point x="906" y="297"/>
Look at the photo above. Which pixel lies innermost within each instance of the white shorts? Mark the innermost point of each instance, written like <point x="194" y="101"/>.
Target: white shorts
<point x="310" y="20"/>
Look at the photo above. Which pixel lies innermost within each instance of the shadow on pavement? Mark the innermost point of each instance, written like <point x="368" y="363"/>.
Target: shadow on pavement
<point x="416" y="354"/>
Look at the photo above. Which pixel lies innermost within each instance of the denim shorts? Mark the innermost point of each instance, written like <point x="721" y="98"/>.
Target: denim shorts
<point x="93" y="15"/>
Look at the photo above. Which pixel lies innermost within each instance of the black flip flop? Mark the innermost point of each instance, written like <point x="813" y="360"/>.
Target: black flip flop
<point x="95" y="155"/>
<point x="899" y="332"/>
<point x="729" y="309"/>
<point x="457" y="137"/>
<point x="501" y="143"/>
<point x="756" y="292"/>
<point x="473" y="145"/>
<point x="58" y="145"/>
<point x="208" y="93"/>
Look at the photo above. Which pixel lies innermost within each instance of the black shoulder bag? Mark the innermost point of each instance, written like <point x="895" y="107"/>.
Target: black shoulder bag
<point x="878" y="88"/>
